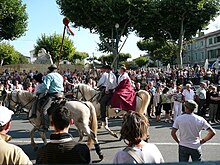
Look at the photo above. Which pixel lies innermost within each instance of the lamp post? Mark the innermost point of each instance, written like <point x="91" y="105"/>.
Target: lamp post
<point x="116" y="47"/>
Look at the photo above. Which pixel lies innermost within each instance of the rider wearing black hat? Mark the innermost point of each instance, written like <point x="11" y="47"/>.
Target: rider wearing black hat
<point x="53" y="88"/>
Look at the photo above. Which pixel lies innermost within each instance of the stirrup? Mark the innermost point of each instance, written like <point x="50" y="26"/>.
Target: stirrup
<point x="117" y="111"/>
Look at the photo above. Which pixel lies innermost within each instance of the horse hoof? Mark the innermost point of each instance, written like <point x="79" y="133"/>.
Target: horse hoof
<point x="115" y="135"/>
<point x="101" y="157"/>
<point x="35" y="149"/>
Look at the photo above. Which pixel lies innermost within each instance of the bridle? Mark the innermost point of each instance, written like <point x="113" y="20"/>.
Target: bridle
<point x="19" y="106"/>
<point x="78" y="90"/>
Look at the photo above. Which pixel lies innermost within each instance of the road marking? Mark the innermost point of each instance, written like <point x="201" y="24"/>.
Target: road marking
<point x="162" y="144"/>
<point x="174" y="144"/>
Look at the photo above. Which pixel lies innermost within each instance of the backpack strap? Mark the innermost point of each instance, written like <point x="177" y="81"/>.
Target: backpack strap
<point x="133" y="154"/>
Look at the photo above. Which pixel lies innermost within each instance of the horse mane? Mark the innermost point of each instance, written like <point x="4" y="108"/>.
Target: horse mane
<point x="85" y="88"/>
<point x="26" y="95"/>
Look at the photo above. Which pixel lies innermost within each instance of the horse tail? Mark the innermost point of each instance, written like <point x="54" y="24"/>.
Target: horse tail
<point x="93" y="122"/>
<point x="145" y="100"/>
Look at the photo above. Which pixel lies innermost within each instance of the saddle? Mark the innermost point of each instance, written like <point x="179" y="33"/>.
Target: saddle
<point x="56" y="105"/>
<point x="55" y="101"/>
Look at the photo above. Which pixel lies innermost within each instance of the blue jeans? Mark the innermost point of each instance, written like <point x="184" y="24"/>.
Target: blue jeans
<point x="185" y="153"/>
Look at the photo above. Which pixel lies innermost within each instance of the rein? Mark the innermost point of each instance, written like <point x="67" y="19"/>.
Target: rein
<point x="83" y="96"/>
<point x="20" y="106"/>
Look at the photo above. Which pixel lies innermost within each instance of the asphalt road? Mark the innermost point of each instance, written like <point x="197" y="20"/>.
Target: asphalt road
<point x="159" y="134"/>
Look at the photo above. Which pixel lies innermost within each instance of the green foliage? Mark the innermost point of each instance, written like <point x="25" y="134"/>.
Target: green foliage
<point x="13" y="19"/>
<point x="108" y="59"/>
<point x="141" y="61"/>
<point x="22" y="59"/>
<point x="175" y="21"/>
<point x="162" y="51"/>
<point x="130" y="65"/>
<point x="8" y="55"/>
<point x="79" y="56"/>
<point x="52" y="44"/>
<point x="90" y="59"/>
<point x="100" y="17"/>
<point x="159" y="23"/>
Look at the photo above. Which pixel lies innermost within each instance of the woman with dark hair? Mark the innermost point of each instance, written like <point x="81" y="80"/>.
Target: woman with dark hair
<point x="134" y="132"/>
<point x="39" y="81"/>
<point x="124" y="97"/>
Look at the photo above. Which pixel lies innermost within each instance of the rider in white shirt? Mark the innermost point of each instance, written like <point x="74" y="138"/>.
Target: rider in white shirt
<point x="123" y="76"/>
<point x="111" y="84"/>
<point x="103" y="80"/>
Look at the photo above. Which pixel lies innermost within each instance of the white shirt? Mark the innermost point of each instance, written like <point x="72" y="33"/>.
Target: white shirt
<point x="111" y="82"/>
<point x="189" y="95"/>
<point x="201" y="93"/>
<point x="103" y="80"/>
<point x="190" y="126"/>
<point x="123" y="77"/>
<point x="149" y="153"/>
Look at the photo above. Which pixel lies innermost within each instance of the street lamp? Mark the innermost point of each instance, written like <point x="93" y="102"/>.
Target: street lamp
<point x="117" y="42"/>
<point x="116" y="26"/>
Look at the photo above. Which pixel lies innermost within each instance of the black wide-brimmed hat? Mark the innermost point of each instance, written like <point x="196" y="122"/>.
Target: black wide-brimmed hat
<point x="53" y="66"/>
<point x="108" y="67"/>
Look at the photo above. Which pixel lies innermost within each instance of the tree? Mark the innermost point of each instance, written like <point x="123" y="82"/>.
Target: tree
<point x="52" y="44"/>
<point x="190" y="16"/>
<point x="141" y="61"/>
<point x="131" y="65"/>
<point x="159" y="50"/>
<point x="8" y="55"/>
<point x="90" y="59"/>
<point x="22" y="59"/>
<point x="108" y="59"/>
<point x="80" y="56"/>
<point x="13" y="19"/>
<point x="101" y="17"/>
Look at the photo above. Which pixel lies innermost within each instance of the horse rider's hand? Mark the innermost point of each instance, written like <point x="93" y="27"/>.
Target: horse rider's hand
<point x="107" y="92"/>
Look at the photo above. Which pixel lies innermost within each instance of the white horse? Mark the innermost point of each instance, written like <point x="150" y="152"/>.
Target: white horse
<point x="86" y="93"/>
<point x="83" y="113"/>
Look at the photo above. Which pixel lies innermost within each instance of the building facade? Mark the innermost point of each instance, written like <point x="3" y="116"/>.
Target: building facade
<point x="202" y="48"/>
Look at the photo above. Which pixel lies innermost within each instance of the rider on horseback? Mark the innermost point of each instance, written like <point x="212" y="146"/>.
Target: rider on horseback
<point x="110" y="85"/>
<point x="53" y="88"/>
<point x="124" y="97"/>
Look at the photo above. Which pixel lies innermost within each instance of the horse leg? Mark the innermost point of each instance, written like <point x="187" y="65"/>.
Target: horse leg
<point x="108" y="129"/>
<point x="43" y="137"/>
<point x="33" y="144"/>
<point x="91" y="136"/>
<point x="80" y="136"/>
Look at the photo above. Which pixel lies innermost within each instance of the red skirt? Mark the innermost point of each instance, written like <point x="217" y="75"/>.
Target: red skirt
<point x="124" y="96"/>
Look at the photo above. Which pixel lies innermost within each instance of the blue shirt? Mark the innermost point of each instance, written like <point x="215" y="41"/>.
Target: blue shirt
<point x="53" y="82"/>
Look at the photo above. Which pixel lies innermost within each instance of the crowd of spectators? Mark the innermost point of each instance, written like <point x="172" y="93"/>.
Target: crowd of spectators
<point x="166" y="86"/>
<point x="169" y="90"/>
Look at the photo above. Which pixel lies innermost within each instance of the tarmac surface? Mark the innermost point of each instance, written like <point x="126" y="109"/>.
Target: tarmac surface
<point x="159" y="135"/>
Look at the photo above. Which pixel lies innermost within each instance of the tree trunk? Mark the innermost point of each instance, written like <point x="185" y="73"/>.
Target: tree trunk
<point x="2" y="61"/>
<point x="180" y="44"/>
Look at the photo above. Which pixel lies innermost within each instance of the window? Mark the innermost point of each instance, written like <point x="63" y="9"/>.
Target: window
<point x="202" y="56"/>
<point x="210" y="41"/>
<point x="201" y="44"/>
<point x="212" y="54"/>
<point x="215" y="40"/>
<point x="195" y="57"/>
<point x="218" y="39"/>
<point x="218" y="52"/>
<point x="189" y="47"/>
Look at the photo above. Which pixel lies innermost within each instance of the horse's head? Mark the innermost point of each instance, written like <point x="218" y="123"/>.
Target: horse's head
<point x="18" y="100"/>
<point x="11" y="100"/>
<point x="78" y="92"/>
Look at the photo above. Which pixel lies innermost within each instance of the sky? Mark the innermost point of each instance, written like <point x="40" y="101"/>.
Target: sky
<point x="45" y="17"/>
